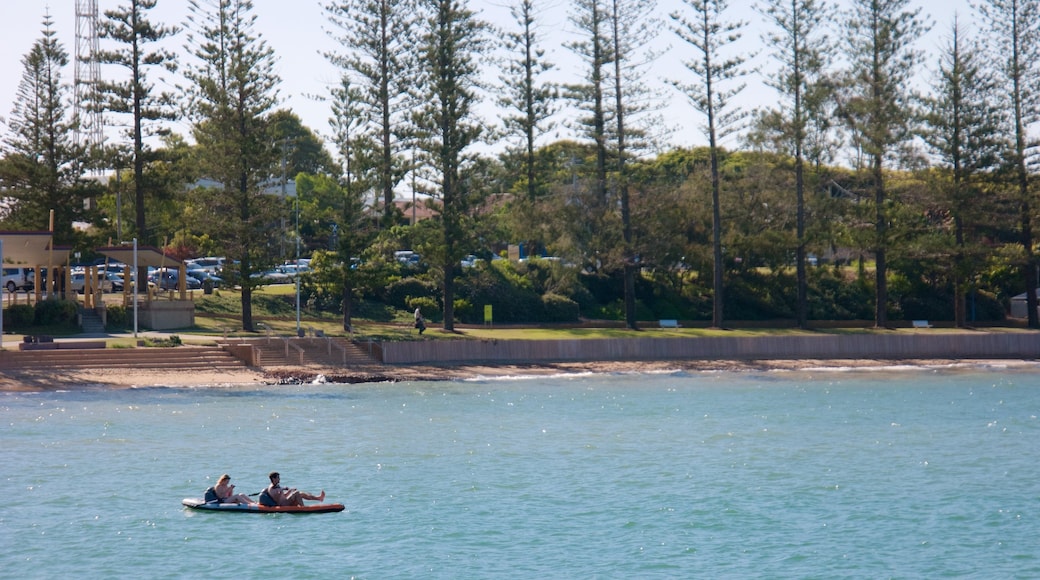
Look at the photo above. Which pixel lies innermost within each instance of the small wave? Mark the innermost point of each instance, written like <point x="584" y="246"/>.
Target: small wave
<point x="534" y="376"/>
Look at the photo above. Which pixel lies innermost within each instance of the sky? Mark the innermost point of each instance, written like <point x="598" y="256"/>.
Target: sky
<point x="296" y="31"/>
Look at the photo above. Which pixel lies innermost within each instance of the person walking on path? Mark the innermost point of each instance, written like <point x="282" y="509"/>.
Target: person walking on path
<point x="420" y="323"/>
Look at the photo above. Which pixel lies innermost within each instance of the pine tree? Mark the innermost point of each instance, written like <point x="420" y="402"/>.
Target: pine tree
<point x="964" y="132"/>
<point x="379" y="39"/>
<point x="448" y="126"/>
<point x="632" y="27"/>
<point x="705" y="29"/>
<point x="880" y="38"/>
<point x="42" y="167"/>
<point x="802" y="52"/>
<point x="358" y="175"/>
<point x="1014" y="37"/>
<point x="137" y="96"/>
<point x="592" y="94"/>
<point x="531" y="102"/>
<point x="232" y="95"/>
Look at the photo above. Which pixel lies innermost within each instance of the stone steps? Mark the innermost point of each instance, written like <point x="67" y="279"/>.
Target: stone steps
<point x="181" y="358"/>
<point x="90" y="322"/>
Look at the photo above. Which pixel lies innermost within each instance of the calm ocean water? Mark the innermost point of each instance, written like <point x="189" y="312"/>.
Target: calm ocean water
<point x="904" y="473"/>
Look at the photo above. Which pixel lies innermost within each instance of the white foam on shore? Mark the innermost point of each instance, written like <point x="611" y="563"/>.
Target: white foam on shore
<point x="987" y="365"/>
<point x="532" y="376"/>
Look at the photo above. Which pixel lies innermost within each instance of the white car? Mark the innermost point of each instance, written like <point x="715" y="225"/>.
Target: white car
<point x="109" y="282"/>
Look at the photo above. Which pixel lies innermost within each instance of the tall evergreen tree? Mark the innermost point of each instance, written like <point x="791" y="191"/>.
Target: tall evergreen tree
<point x="379" y="37"/>
<point x="232" y="94"/>
<point x="704" y="28"/>
<point x="880" y="38"/>
<point x="964" y="132"/>
<point x="802" y="51"/>
<point x="530" y="100"/>
<point x="632" y="27"/>
<point x="1014" y="36"/>
<point x="42" y="166"/>
<point x="592" y="94"/>
<point x="137" y="96"/>
<point x="357" y="176"/>
<point x="448" y="126"/>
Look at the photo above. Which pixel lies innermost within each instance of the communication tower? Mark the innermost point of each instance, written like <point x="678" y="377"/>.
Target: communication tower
<point x="90" y="131"/>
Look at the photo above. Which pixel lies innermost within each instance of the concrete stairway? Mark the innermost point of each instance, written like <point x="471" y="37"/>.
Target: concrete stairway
<point x="90" y="322"/>
<point x="201" y="358"/>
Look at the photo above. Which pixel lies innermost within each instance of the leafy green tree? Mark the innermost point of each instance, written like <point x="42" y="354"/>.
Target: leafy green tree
<point x="880" y="37"/>
<point x="963" y="131"/>
<point x="380" y="38"/>
<point x="232" y="93"/>
<point x="1014" y="37"/>
<point x="705" y="29"/>
<point x="137" y="96"/>
<point x="453" y="41"/>
<point x="304" y="151"/>
<point x="42" y="167"/>
<point x="802" y="51"/>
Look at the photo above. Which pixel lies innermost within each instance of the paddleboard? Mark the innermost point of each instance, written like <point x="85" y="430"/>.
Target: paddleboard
<point x="320" y="508"/>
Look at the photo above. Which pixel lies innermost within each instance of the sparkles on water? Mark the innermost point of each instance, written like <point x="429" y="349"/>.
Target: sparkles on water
<point x="673" y="475"/>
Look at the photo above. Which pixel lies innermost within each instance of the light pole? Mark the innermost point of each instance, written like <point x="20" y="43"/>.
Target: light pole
<point x="296" y="199"/>
<point x="136" y="282"/>
<point x="1" y="297"/>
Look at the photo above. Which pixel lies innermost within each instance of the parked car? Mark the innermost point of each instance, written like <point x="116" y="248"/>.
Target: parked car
<point x="166" y="279"/>
<point x="293" y="270"/>
<point x="211" y="264"/>
<point x="204" y="275"/>
<point x="15" y="279"/>
<point x="272" y="276"/>
<point x="109" y="281"/>
<point x="407" y="257"/>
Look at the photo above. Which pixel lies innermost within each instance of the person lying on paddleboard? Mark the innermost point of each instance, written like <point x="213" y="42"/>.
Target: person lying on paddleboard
<point x="224" y="492"/>
<point x="276" y="495"/>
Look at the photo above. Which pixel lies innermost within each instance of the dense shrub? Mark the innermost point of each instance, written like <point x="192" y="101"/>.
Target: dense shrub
<point x="400" y="291"/>
<point x="116" y="318"/>
<point x="558" y="308"/>
<point x="56" y="313"/>
<point x="19" y="316"/>
<point x="511" y="299"/>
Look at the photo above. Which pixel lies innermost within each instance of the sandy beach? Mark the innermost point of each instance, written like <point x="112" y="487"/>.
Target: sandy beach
<point x="55" y="379"/>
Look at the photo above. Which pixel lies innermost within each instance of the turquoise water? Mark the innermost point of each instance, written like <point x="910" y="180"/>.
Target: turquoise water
<point x="900" y="473"/>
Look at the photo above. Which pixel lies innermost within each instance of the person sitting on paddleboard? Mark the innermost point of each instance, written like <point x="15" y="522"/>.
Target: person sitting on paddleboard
<point x="226" y="492"/>
<point x="276" y="495"/>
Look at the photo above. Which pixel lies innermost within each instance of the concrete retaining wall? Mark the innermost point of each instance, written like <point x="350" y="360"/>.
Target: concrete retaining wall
<point x="966" y="345"/>
<point x="166" y="315"/>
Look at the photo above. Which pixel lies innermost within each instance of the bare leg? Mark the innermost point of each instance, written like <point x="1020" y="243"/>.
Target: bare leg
<point x="305" y="495"/>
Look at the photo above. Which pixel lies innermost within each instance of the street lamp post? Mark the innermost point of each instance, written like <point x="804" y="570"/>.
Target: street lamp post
<point x="136" y="283"/>
<point x="297" y="269"/>
<point x="1" y="297"/>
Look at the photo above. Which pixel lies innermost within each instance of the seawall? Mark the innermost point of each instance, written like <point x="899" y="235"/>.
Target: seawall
<point x="966" y="345"/>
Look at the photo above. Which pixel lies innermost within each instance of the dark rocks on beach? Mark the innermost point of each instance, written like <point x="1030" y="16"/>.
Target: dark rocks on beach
<point x="296" y="377"/>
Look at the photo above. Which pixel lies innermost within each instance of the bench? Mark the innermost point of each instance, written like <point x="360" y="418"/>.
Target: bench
<point x="921" y="324"/>
<point x="668" y="323"/>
